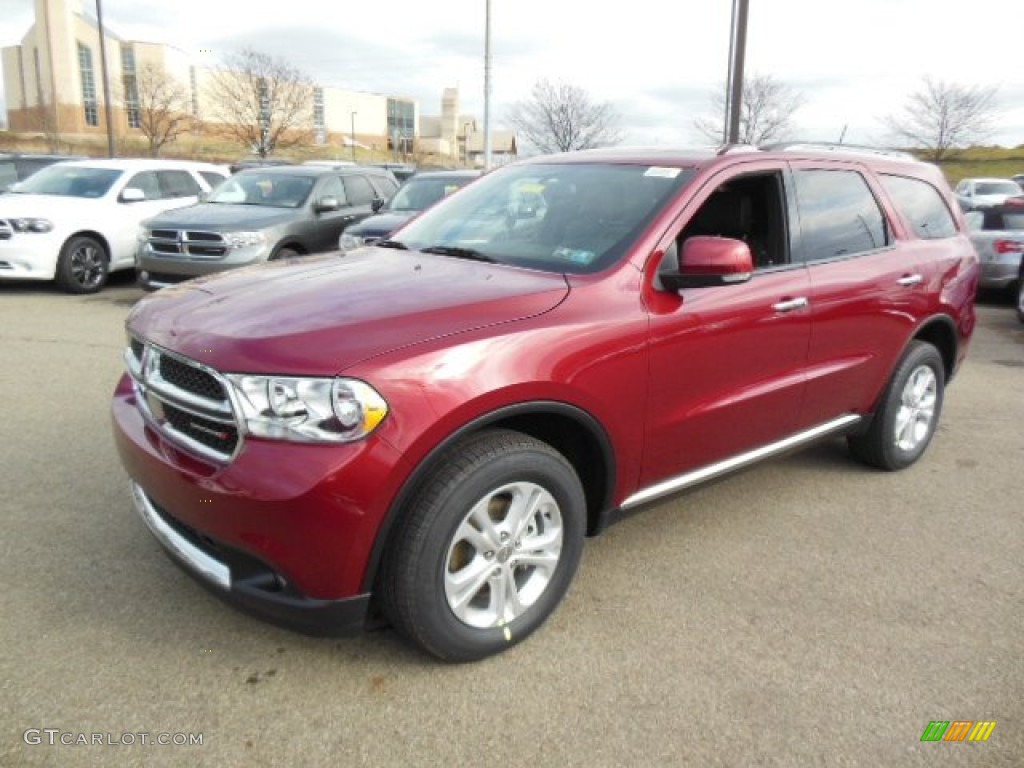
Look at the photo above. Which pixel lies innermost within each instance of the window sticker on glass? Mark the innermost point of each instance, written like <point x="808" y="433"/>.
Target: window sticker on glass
<point x="661" y="172"/>
<point x="573" y="255"/>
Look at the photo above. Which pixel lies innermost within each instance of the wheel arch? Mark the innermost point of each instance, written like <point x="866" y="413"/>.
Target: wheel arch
<point x="291" y="244"/>
<point x="97" y="236"/>
<point x="940" y="332"/>
<point x="571" y="431"/>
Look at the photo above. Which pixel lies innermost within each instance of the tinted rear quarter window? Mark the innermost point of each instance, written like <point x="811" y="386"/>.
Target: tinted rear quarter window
<point x="385" y="187"/>
<point x="838" y="214"/>
<point x="921" y="205"/>
<point x="211" y="178"/>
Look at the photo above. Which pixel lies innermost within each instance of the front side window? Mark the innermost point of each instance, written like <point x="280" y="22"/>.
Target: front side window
<point x="358" y="190"/>
<point x="572" y="217"/>
<point x="838" y="214"/>
<point x="921" y="205"/>
<point x="332" y="188"/>
<point x="148" y="182"/>
<point x="178" y="184"/>
<point x="997" y="188"/>
<point x="70" y="181"/>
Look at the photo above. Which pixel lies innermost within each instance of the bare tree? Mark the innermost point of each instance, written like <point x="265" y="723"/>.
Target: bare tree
<point x="941" y="117"/>
<point x="766" y="111"/>
<point x="162" y="105"/>
<point x="560" y="117"/>
<point x="262" y="101"/>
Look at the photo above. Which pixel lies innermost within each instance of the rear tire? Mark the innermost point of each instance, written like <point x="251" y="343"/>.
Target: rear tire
<point x="83" y="265"/>
<point x="284" y="253"/>
<point x="908" y="413"/>
<point x="487" y="549"/>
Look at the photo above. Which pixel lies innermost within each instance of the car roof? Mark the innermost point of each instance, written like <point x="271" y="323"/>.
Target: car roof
<point x="138" y="164"/>
<point x="453" y="174"/>
<point x="688" y="157"/>
<point x="986" y="179"/>
<point x="313" y="170"/>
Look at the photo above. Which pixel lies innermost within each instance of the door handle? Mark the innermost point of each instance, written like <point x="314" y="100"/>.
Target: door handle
<point x="909" y="280"/>
<point x="788" y="305"/>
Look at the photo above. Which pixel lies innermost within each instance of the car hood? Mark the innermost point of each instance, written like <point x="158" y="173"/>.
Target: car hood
<point x="15" y="204"/>
<point x="322" y="314"/>
<point x="381" y="225"/>
<point x="223" y="217"/>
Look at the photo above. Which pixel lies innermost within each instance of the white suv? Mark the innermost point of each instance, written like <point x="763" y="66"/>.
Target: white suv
<point x="77" y="221"/>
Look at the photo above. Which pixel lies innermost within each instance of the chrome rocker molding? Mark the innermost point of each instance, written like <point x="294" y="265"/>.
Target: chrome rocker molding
<point x="213" y="571"/>
<point x="712" y="471"/>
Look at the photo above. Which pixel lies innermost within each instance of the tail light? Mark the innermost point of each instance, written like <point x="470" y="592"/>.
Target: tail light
<point x="1008" y="246"/>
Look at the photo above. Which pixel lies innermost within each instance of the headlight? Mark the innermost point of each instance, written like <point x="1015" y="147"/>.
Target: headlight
<point x="308" y="410"/>
<point x="349" y="242"/>
<point x="243" y="239"/>
<point x="31" y="225"/>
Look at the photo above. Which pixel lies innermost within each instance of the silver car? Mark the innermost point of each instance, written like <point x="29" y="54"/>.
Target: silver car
<point x="998" y="237"/>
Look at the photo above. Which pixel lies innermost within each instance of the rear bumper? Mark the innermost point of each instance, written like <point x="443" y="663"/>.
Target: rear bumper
<point x="1001" y="273"/>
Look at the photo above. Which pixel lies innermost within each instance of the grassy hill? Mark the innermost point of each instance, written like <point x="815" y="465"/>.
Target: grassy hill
<point x="997" y="162"/>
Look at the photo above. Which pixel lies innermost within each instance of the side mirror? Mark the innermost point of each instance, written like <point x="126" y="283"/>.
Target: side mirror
<point x="710" y="261"/>
<point x="377" y="204"/>
<point x="132" y="195"/>
<point x="327" y="204"/>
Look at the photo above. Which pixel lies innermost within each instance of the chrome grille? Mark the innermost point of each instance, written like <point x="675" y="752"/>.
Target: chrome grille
<point x="6" y="230"/>
<point x="184" y="242"/>
<point x="184" y="400"/>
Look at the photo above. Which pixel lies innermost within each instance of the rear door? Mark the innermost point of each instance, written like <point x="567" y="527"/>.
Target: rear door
<point x="868" y="289"/>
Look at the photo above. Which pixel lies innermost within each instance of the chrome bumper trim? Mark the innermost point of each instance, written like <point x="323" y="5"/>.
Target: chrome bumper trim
<point x="210" y="569"/>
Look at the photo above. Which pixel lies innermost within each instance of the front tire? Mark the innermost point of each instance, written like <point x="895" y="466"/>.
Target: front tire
<point x="83" y="265"/>
<point x="908" y="414"/>
<point x="488" y="547"/>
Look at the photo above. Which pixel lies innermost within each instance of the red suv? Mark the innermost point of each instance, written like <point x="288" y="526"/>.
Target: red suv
<point x="426" y="430"/>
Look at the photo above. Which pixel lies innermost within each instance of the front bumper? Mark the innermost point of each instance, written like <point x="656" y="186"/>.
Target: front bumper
<point x="284" y="531"/>
<point x="157" y="271"/>
<point x="246" y="583"/>
<point x="29" y="256"/>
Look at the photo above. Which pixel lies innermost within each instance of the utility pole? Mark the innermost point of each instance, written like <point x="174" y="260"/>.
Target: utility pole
<point x="737" y="56"/>
<point x="108" y="110"/>
<point x="352" y="137"/>
<point x="487" y="88"/>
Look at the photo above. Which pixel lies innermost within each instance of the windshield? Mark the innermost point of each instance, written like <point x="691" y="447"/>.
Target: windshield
<point x="258" y="188"/>
<point x="70" y="181"/>
<point x="997" y="188"/>
<point x="574" y="217"/>
<point x="418" y="194"/>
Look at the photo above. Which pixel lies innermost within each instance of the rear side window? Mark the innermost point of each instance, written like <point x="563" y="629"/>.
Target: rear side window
<point x="211" y="178"/>
<point x="178" y="184"/>
<point x="921" y="205"/>
<point x="838" y="214"/>
<point x="358" y="190"/>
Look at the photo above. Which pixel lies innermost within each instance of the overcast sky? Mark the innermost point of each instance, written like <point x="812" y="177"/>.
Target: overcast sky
<point x="657" y="62"/>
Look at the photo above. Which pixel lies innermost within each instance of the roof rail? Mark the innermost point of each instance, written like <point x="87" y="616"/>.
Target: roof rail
<point x="830" y="146"/>
<point x="728" y="149"/>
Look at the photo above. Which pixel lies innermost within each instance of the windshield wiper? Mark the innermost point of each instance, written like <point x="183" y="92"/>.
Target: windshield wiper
<point x="392" y="244"/>
<point x="459" y="253"/>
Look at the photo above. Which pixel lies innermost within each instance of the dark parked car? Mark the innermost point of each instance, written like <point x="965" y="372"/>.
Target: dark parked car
<point x="266" y="162"/>
<point x="18" y="166"/>
<point x="259" y="215"/>
<point x="415" y="195"/>
<point x="427" y="431"/>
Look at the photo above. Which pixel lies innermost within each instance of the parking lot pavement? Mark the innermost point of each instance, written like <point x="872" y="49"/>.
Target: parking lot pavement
<point x="808" y="612"/>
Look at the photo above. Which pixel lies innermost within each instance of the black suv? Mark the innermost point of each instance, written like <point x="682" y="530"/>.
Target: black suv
<point x="258" y="215"/>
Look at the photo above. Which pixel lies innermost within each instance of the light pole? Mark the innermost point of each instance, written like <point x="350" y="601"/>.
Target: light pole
<point x="108" y="112"/>
<point x="352" y="138"/>
<point x="465" y="142"/>
<point x="737" y="57"/>
<point x="487" y="87"/>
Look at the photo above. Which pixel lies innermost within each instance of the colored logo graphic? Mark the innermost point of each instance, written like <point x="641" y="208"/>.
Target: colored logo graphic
<point x="958" y="730"/>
